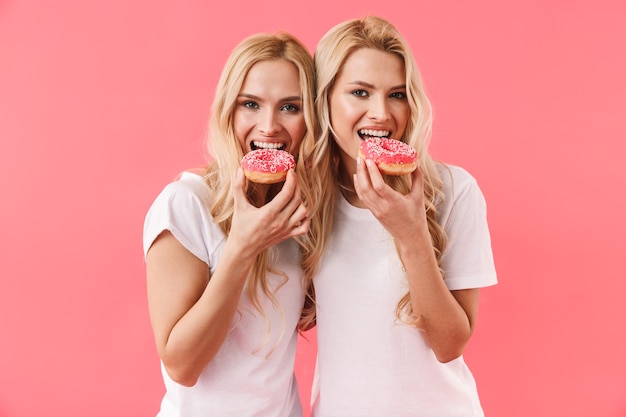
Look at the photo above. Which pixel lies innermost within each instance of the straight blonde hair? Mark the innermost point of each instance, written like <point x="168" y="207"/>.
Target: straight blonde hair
<point x="324" y="173"/>
<point x="226" y="153"/>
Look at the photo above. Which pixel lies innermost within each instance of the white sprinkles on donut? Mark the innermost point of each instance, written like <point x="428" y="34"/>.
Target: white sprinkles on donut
<point x="267" y="165"/>
<point x="392" y="156"/>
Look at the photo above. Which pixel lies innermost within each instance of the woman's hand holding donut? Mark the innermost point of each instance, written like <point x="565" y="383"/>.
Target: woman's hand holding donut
<point x="403" y="216"/>
<point x="255" y="229"/>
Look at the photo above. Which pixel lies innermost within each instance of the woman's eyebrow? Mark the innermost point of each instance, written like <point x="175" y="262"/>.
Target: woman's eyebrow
<point x="252" y="96"/>
<point x="368" y="85"/>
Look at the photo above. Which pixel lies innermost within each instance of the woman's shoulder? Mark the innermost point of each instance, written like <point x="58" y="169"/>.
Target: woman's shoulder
<point x="187" y="193"/>
<point x="455" y="178"/>
<point x="183" y="208"/>
<point x="187" y="183"/>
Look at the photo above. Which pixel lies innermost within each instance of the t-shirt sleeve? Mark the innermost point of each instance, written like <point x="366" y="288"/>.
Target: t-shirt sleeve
<point x="182" y="209"/>
<point x="467" y="260"/>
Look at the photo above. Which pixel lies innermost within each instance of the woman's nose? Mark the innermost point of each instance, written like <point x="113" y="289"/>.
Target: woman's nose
<point x="268" y="123"/>
<point x="379" y="109"/>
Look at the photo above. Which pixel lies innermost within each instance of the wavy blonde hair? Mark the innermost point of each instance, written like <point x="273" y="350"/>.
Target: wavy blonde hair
<point x="325" y="172"/>
<point x="226" y="153"/>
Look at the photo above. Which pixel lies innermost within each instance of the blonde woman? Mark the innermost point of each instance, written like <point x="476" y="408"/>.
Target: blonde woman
<point x="397" y="261"/>
<point x="225" y="286"/>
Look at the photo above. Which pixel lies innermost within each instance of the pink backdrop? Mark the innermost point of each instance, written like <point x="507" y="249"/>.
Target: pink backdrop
<point x="102" y="103"/>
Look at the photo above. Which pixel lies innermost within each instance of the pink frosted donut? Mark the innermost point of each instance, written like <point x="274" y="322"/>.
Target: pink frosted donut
<point x="393" y="157"/>
<point x="267" y="166"/>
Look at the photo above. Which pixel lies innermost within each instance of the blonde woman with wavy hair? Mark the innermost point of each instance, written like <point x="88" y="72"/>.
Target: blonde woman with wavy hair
<point x="225" y="283"/>
<point x="396" y="262"/>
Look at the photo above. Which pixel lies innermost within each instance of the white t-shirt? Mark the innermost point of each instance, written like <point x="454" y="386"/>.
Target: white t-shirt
<point x="253" y="372"/>
<point x="369" y="363"/>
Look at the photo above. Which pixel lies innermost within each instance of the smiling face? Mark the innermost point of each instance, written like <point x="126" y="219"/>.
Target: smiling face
<point x="268" y="112"/>
<point x="368" y="99"/>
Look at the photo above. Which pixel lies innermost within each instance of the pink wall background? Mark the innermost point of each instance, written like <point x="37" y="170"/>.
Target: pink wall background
<point x="103" y="103"/>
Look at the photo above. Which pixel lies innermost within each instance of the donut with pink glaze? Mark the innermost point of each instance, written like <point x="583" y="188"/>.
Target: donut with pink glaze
<point x="267" y="166"/>
<point x="392" y="156"/>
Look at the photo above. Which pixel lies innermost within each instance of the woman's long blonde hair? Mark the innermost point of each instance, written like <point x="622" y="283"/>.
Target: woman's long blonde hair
<point x="324" y="173"/>
<point x="224" y="148"/>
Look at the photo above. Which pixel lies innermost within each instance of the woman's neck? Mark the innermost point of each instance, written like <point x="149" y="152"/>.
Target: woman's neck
<point x="346" y="187"/>
<point x="261" y="194"/>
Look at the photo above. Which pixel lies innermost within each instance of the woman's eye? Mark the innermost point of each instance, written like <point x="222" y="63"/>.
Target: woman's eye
<point x="360" y="93"/>
<point x="399" y="95"/>
<point x="250" y="105"/>
<point x="291" y="108"/>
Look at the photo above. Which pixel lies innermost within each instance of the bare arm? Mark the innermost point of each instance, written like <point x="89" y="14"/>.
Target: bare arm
<point x="190" y="310"/>
<point x="446" y="319"/>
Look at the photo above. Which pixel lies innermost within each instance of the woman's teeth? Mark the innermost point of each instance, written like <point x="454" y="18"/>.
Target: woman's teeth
<point x="266" y="145"/>
<point x="374" y="133"/>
